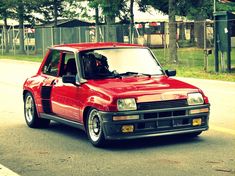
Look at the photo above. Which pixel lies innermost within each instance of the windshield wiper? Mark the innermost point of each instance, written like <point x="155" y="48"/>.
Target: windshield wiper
<point x="137" y="74"/>
<point x="120" y="75"/>
<point x="128" y="73"/>
<point x="145" y="74"/>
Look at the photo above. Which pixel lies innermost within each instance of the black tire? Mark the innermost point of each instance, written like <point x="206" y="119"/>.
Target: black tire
<point x="31" y="115"/>
<point x="94" y="128"/>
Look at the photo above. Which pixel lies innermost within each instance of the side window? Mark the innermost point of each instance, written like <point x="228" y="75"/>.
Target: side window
<point x="51" y="66"/>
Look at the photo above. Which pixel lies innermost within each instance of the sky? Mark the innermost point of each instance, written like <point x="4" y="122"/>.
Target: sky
<point x="151" y="16"/>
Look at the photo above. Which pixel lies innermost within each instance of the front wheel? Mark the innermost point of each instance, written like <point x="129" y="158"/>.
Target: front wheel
<point x="30" y="113"/>
<point x="94" y="128"/>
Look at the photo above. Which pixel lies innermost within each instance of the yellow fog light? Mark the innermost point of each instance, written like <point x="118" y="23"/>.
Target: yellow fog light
<point x="197" y="122"/>
<point x="197" y="111"/>
<point x="131" y="117"/>
<point x="127" y="128"/>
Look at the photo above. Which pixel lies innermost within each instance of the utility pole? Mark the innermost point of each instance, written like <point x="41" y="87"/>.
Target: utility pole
<point x="214" y="6"/>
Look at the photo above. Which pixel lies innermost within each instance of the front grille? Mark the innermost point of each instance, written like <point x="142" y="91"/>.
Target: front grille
<point x="170" y="123"/>
<point x="161" y="104"/>
<point x="165" y="114"/>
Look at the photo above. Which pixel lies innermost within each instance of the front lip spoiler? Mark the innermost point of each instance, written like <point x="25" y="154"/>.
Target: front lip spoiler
<point x="112" y="128"/>
<point x="146" y="135"/>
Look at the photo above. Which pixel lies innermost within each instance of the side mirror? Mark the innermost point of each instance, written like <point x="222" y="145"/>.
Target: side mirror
<point x="69" y="79"/>
<point x="170" y="72"/>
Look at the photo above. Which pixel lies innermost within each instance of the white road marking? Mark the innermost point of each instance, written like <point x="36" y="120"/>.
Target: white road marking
<point x="222" y="129"/>
<point x="6" y="172"/>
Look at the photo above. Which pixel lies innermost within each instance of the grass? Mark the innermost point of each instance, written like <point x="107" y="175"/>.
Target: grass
<point x="191" y="63"/>
<point x="22" y="57"/>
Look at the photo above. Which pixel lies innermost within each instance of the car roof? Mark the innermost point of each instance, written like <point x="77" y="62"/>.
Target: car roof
<point x="89" y="46"/>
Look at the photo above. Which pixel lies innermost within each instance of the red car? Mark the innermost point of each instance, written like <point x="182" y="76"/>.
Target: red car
<point x="112" y="91"/>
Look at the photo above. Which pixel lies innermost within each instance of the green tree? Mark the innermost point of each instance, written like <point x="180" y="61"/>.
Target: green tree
<point x="111" y="10"/>
<point x="5" y="14"/>
<point x="228" y="6"/>
<point x="22" y="11"/>
<point x="169" y="7"/>
<point x="50" y="10"/>
<point x="199" y="11"/>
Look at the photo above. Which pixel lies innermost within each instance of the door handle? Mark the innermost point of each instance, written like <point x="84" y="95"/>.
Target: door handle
<point x="54" y="82"/>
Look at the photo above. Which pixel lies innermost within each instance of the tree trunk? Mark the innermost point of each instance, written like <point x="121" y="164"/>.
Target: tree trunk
<point x="182" y="31"/>
<point x="54" y="30"/>
<point x="97" y="15"/>
<point x="131" y="21"/>
<point x="97" y="24"/>
<point x="192" y="36"/>
<point x="6" y="36"/>
<point x="55" y="13"/>
<point x="21" y="26"/>
<point x="172" y="32"/>
<point x="199" y="31"/>
<point x="111" y="30"/>
<point x="111" y="35"/>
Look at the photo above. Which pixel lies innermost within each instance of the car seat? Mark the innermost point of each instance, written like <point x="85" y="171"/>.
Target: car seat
<point x="71" y="67"/>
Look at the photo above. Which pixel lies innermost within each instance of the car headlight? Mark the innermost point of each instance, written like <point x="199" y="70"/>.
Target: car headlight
<point x="126" y="104"/>
<point x="195" y="99"/>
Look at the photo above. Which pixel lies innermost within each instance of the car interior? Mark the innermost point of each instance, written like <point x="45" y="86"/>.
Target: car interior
<point x="70" y="68"/>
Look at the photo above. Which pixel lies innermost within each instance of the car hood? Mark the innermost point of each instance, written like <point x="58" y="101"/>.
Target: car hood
<point x="143" y="88"/>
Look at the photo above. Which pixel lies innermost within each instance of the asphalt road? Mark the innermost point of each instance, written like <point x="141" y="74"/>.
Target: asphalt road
<point x="65" y="151"/>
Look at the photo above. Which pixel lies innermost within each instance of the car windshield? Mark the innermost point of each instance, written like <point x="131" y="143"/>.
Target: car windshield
<point x="119" y="62"/>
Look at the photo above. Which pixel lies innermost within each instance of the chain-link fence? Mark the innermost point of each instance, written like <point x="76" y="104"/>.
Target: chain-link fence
<point x="195" y="40"/>
<point x="11" y="36"/>
<point x="46" y="37"/>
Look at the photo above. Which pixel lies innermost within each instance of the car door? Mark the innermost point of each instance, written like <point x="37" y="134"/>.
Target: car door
<point x="65" y="101"/>
<point x="50" y="72"/>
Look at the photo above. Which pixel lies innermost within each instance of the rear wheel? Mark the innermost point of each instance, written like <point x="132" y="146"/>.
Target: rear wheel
<point x="94" y="128"/>
<point x="30" y="113"/>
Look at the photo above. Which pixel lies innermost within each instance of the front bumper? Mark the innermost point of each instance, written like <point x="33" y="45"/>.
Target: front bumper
<point x="155" y="122"/>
